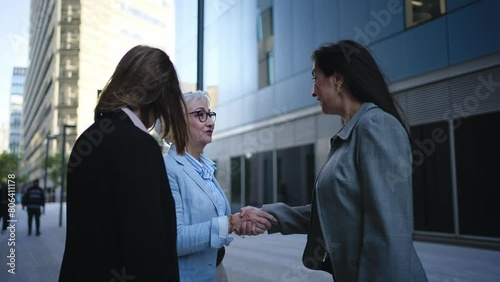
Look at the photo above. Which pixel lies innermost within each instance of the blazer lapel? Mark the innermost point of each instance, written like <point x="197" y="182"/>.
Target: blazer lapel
<point x="193" y="174"/>
<point x="228" y="207"/>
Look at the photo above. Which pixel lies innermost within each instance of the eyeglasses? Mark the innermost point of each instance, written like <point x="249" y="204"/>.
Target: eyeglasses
<point x="203" y="115"/>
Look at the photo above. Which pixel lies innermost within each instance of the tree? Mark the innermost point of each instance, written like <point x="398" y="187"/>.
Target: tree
<point x="9" y="164"/>
<point x="54" y="168"/>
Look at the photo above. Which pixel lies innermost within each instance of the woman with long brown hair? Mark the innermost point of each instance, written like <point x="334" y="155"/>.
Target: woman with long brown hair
<point x="121" y="220"/>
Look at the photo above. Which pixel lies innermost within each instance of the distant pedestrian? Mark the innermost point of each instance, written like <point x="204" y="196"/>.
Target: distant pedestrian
<point x="34" y="199"/>
<point x="4" y="205"/>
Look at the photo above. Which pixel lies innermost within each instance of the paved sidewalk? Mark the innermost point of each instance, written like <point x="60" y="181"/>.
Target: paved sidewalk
<point x="261" y="258"/>
<point x="37" y="259"/>
<point x="278" y="258"/>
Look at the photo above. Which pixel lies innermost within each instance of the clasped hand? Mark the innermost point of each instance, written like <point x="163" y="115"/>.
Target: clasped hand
<point x="252" y="221"/>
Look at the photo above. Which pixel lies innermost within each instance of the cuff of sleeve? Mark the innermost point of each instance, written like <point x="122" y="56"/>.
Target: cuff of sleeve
<point x="223" y="227"/>
<point x="219" y="235"/>
<point x="270" y="208"/>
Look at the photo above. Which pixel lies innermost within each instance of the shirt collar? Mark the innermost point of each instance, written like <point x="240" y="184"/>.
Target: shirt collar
<point x="205" y="167"/>
<point x="208" y="162"/>
<point x="135" y="119"/>
<point x="345" y="132"/>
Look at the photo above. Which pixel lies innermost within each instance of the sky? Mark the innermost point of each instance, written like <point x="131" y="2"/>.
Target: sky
<point x="14" y="36"/>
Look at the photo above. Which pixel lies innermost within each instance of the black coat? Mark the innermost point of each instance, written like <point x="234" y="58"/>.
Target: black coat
<point x="121" y="223"/>
<point x="34" y="197"/>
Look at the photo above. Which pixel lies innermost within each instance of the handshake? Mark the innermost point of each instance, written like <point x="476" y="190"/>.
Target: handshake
<point x="250" y="221"/>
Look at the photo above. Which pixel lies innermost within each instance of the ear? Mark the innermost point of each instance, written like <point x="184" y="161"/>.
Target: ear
<point x="338" y="79"/>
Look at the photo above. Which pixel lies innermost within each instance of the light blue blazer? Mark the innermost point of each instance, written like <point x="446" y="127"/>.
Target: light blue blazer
<point x="198" y="232"/>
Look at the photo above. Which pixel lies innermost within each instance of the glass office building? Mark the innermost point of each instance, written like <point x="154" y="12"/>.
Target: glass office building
<point x="16" y="109"/>
<point x="74" y="48"/>
<point x="443" y="64"/>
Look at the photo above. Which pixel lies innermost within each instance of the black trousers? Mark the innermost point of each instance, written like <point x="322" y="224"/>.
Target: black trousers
<point x="4" y="214"/>
<point x="36" y="213"/>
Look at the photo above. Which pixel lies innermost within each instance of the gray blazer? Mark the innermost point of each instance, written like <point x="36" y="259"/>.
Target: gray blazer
<point x="360" y="222"/>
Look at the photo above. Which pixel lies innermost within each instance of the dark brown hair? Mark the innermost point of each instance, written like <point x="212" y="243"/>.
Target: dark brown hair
<point x="361" y="74"/>
<point x="145" y="79"/>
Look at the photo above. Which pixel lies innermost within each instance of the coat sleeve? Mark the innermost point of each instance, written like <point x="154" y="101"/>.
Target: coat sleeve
<point x="192" y="238"/>
<point x="146" y="213"/>
<point x="291" y="220"/>
<point x="384" y="161"/>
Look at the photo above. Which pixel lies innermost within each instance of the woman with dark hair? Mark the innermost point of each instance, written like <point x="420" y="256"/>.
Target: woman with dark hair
<point x="121" y="222"/>
<point x="359" y="224"/>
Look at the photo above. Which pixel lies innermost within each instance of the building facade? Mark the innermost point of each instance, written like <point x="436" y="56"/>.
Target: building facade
<point x="16" y="109"/>
<point x="440" y="58"/>
<point x="4" y="138"/>
<point x="74" y="49"/>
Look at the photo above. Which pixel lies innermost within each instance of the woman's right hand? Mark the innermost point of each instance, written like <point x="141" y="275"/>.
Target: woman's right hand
<point x="252" y="221"/>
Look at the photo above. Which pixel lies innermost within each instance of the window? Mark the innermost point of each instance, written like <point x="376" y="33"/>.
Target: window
<point x="477" y="154"/>
<point x="259" y="179"/>
<point x="432" y="187"/>
<point x="69" y="39"/>
<point x="70" y="13"/>
<point x="296" y="175"/>
<point x="253" y="181"/>
<point x="236" y="184"/>
<point x="71" y="96"/>
<point x="420" y="11"/>
<point x="265" y="42"/>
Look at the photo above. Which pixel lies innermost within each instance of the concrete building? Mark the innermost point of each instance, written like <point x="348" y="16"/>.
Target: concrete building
<point x="16" y="110"/>
<point x="74" y="49"/>
<point x="440" y="57"/>
<point x="4" y="138"/>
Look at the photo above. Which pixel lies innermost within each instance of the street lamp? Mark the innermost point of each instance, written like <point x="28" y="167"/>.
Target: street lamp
<point x="62" y="167"/>
<point x="47" y="141"/>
